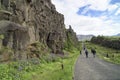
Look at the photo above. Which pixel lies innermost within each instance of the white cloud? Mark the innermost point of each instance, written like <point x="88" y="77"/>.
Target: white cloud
<point x="86" y="24"/>
<point x="112" y="7"/>
<point x="98" y="4"/>
<point x="118" y="12"/>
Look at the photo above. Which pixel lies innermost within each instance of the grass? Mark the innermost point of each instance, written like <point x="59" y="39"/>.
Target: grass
<point x="113" y="55"/>
<point x="53" y="70"/>
<point x="113" y="37"/>
<point x="43" y="71"/>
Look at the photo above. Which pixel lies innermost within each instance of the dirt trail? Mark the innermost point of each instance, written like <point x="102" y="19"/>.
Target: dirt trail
<point x="95" y="69"/>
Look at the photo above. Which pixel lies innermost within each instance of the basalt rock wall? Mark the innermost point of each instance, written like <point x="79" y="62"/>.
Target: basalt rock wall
<point x="28" y="21"/>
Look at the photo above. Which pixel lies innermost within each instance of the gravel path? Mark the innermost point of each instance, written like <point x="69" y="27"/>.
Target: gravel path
<point x="95" y="69"/>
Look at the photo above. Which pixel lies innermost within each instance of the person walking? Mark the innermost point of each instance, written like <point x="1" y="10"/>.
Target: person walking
<point x="93" y="52"/>
<point x="80" y="52"/>
<point x="86" y="52"/>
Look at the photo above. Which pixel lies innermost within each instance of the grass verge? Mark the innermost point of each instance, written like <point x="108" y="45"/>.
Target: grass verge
<point x="43" y="71"/>
<point x="107" y="54"/>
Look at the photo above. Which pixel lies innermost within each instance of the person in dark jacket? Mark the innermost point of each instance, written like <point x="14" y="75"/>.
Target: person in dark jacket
<point x="80" y="52"/>
<point x="93" y="52"/>
<point x="86" y="52"/>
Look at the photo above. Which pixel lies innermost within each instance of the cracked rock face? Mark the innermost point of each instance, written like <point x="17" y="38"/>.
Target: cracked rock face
<point x="29" y="21"/>
<point x="15" y="36"/>
<point x="72" y="35"/>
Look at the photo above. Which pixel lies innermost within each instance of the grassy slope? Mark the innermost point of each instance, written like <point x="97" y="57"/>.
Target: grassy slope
<point x="44" y="71"/>
<point x="102" y="51"/>
<point x="113" y="37"/>
<point x="53" y="70"/>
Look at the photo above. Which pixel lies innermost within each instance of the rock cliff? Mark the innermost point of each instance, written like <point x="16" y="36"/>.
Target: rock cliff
<point x="71" y="40"/>
<point x="24" y="22"/>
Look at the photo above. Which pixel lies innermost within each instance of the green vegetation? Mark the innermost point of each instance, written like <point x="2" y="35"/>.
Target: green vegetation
<point x="6" y="54"/>
<point x="41" y="65"/>
<point x="71" y="41"/>
<point x="40" y="70"/>
<point x="113" y="37"/>
<point x="48" y="67"/>
<point x="38" y="48"/>
<point x="1" y="37"/>
<point x="108" y="54"/>
<point x="53" y="71"/>
<point x="110" y="42"/>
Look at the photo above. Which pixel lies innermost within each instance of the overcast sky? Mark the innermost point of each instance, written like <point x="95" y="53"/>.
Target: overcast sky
<point x="98" y="17"/>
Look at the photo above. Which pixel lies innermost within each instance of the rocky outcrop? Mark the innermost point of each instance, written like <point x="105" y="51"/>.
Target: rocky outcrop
<point x="71" y="40"/>
<point x="29" y="27"/>
<point x="71" y="35"/>
<point x="16" y="37"/>
<point x="28" y="21"/>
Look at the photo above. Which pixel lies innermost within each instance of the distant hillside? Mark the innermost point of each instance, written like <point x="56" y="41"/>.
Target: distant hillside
<point x="110" y="42"/>
<point x="84" y="37"/>
<point x="118" y="34"/>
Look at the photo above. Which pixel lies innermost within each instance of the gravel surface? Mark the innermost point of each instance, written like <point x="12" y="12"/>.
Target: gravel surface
<point x="95" y="69"/>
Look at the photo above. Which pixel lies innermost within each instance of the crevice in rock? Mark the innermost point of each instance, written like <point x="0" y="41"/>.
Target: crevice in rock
<point x="29" y="1"/>
<point x="42" y="2"/>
